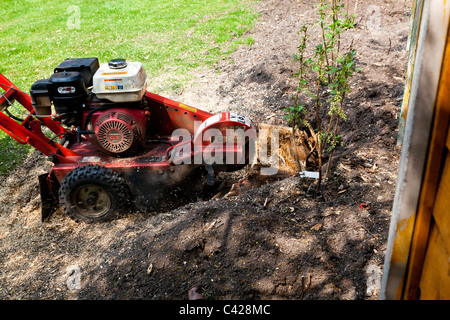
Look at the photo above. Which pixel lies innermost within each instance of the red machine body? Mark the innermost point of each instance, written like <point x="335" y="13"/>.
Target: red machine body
<point x="132" y="145"/>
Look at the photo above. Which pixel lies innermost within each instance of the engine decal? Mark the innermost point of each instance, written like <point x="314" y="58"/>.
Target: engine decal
<point x="114" y="84"/>
<point x="113" y="73"/>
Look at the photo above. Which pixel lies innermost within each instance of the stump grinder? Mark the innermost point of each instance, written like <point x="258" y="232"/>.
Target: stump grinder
<point x="116" y="147"/>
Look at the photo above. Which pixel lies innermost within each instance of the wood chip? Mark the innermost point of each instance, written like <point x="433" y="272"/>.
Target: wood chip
<point x="150" y="268"/>
<point x="329" y="213"/>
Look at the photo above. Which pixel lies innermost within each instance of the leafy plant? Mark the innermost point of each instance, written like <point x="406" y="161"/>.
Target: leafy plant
<point x="323" y="80"/>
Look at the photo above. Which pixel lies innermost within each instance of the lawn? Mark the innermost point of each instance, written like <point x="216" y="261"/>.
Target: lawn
<point x="169" y="37"/>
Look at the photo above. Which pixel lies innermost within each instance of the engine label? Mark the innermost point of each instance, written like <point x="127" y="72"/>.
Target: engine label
<point x="115" y="136"/>
<point x="113" y="84"/>
<point x="113" y="73"/>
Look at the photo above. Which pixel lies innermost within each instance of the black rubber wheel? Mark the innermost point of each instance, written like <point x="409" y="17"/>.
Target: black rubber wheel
<point x="93" y="194"/>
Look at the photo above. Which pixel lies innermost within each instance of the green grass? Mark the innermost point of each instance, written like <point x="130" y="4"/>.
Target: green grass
<point x="170" y="37"/>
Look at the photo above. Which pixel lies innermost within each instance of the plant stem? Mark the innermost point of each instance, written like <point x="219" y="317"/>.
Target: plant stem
<point x="325" y="44"/>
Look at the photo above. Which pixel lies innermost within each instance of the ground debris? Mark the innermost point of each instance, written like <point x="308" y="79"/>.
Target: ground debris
<point x="249" y="244"/>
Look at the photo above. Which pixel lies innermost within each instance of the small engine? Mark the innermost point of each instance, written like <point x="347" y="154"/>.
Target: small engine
<point x="103" y="102"/>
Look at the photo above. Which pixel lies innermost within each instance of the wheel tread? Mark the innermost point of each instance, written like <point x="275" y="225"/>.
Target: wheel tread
<point x="106" y="176"/>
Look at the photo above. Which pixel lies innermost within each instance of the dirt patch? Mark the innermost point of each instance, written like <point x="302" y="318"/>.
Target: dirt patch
<point x="280" y="240"/>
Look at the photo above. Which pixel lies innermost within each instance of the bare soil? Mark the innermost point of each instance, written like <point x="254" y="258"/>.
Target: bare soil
<point x="280" y="238"/>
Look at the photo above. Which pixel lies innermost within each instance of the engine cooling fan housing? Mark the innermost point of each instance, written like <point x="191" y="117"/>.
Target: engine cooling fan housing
<point x="119" y="132"/>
